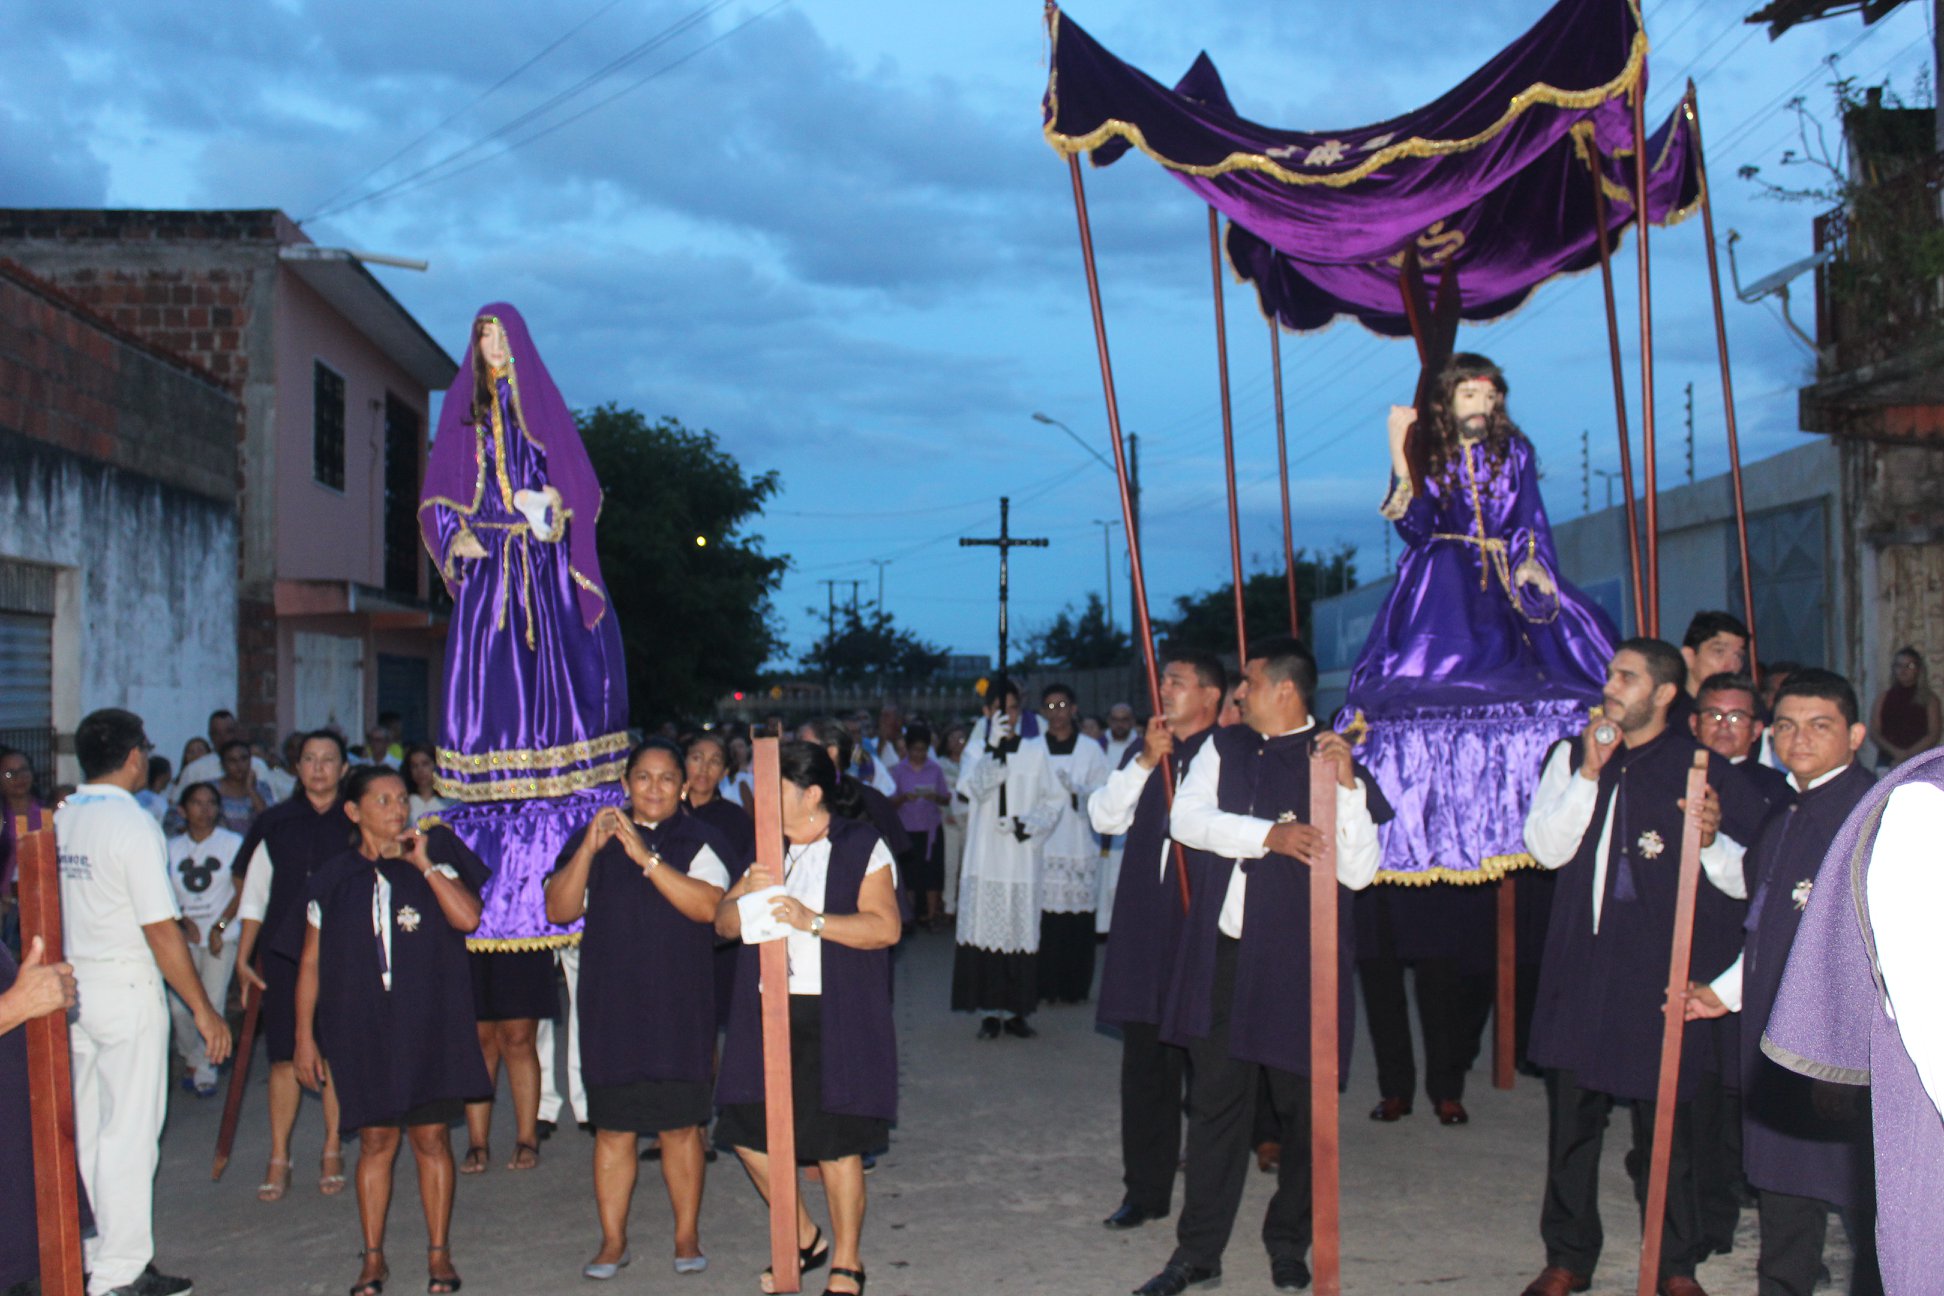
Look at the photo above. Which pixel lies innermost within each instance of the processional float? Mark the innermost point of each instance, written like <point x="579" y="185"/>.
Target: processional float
<point x="1530" y="168"/>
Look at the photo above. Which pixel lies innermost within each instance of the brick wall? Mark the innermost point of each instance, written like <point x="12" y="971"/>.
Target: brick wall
<point x="78" y="382"/>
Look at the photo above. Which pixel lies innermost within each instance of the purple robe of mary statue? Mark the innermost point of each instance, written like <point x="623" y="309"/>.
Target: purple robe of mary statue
<point x="536" y="697"/>
<point x="1479" y="660"/>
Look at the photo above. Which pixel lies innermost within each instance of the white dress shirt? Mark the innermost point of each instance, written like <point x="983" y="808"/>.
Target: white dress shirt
<point x="1728" y="986"/>
<point x="1562" y="811"/>
<point x="1111" y="807"/>
<point x="1200" y="823"/>
<point x="1905" y="894"/>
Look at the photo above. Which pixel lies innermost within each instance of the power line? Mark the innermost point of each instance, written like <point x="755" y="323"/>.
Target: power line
<point x="426" y="175"/>
<point x="471" y="104"/>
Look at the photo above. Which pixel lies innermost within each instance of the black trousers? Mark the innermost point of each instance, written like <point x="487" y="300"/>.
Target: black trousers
<point x="1066" y="957"/>
<point x="1150" y="1091"/>
<point x="1221" y="1117"/>
<point x="1450" y="1013"/>
<point x="1718" y="1160"/>
<point x="1793" y="1232"/>
<point x="1569" y="1221"/>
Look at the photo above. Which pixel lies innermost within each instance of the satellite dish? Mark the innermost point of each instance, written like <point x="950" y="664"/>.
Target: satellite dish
<point x="1776" y="285"/>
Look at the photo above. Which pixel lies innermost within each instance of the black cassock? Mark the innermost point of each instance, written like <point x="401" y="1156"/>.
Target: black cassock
<point x="394" y="1051"/>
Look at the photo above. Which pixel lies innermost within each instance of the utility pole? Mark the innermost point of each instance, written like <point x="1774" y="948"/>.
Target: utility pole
<point x="1107" y="555"/>
<point x="1004" y="542"/>
<point x="1690" y="433"/>
<point x="830" y="624"/>
<point x="1586" y="471"/>
<point x="881" y="564"/>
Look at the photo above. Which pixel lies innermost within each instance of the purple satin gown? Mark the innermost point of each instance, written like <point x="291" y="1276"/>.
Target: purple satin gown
<point x="534" y="731"/>
<point x="1468" y="675"/>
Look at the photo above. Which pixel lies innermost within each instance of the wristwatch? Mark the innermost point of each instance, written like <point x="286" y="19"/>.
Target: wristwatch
<point x="816" y="926"/>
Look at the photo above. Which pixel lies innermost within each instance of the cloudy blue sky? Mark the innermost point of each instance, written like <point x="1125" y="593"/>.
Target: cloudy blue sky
<point x="831" y="232"/>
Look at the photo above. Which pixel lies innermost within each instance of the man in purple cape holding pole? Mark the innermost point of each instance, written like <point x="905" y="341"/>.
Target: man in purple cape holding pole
<point x="536" y="706"/>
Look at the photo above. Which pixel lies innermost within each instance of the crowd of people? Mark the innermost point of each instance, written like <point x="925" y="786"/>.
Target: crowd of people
<point x="320" y="875"/>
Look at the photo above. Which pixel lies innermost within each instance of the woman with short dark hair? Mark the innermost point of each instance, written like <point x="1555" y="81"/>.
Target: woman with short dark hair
<point x="384" y="989"/>
<point x="647" y="879"/>
<point x="840" y="899"/>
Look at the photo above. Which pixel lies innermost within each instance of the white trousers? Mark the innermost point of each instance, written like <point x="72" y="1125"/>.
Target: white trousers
<point x="543" y="1040"/>
<point x="954" y="860"/>
<point x="214" y="972"/>
<point x="120" y="1051"/>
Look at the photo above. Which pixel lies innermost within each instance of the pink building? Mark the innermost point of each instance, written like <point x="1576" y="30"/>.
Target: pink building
<point x="336" y="617"/>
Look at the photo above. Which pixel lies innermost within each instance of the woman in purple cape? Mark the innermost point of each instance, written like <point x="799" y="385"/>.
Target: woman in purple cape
<point x="1482" y="656"/>
<point x="534" y="730"/>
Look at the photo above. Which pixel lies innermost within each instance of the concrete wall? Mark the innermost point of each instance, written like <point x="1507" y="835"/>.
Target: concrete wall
<point x="308" y="330"/>
<point x="116" y="471"/>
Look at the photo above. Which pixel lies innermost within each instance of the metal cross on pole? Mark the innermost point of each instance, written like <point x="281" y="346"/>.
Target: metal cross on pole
<point x="1005" y="542"/>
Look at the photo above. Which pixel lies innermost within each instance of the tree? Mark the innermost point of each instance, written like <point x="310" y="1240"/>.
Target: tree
<point x="1079" y="642"/>
<point x="691" y="590"/>
<point x="869" y="647"/>
<point x="1207" y="620"/>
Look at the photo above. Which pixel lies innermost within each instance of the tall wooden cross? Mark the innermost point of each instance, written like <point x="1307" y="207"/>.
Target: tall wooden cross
<point x="50" y="1081"/>
<point x="1005" y="542"/>
<point x="779" y="1109"/>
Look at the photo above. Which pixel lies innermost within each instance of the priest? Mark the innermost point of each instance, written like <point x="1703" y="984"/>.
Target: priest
<point x="1147" y="930"/>
<point x="1239" y="997"/>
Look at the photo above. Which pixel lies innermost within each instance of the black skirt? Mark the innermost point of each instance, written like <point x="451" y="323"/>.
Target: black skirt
<point x="650" y="1106"/>
<point x="440" y="1111"/>
<point x="922" y="868"/>
<point x="820" y="1135"/>
<point x="280" y="1008"/>
<point x="988" y="981"/>
<point x="514" y="986"/>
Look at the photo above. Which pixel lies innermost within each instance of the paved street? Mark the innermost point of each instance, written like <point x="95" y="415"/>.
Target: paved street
<point x="1004" y="1164"/>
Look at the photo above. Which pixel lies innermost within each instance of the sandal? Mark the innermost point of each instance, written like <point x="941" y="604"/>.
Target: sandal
<point x="442" y="1284"/>
<point x="371" y="1286"/>
<point x="271" y="1189"/>
<point x="814" y="1256"/>
<point x="518" y="1148"/>
<point x="331" y="1182"/>
<point x="476" y="1160"/>
<point x="856" y="1275"/>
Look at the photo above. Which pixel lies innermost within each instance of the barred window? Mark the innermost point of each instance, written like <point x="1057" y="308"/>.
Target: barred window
<point x="327" y="426"/>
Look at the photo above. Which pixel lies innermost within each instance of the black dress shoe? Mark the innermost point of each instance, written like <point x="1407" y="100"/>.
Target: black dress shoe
<point x="1451" y="1112"/>
<point x="1178" y="1278"/>
<point x="1128" y="1216"/>
<point x="1288" y="1273"/>
<point x="989" y="1028"/>
<point x="544" y="1130"/>
<point x="1018" y="1028"/>
<point x="586" y="1127"/>
<point x="1391" y="1109"/>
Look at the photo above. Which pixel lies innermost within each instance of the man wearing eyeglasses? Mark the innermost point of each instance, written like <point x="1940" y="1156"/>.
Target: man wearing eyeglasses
<point x="1805" y="1139"/>
<point x="1727" y="721"/>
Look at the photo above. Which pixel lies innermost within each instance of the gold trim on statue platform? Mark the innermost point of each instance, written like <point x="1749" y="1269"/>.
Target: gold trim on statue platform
<point x="527" y="789"/>
<point x="523" y="758"/>
<point x="521" y="944"/>
<point x="1490" y="869"/>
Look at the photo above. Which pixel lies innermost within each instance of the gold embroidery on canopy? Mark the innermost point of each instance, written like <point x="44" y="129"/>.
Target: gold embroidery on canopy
<point x="1539" y="94"/>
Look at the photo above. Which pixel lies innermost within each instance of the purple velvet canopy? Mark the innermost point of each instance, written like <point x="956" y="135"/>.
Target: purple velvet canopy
<point x="455" y="471"/>
<point x="1491" y="178"/>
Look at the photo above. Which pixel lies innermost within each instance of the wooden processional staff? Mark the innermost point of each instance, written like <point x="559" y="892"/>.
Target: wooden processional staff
<point x="778" y="1109"/>
<point x="1673" y="1029"/>
<point x="239" y="1075"/>
<point x="50" y="1081"/>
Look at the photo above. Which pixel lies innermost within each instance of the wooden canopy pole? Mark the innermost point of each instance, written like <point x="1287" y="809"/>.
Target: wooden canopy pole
<point x="778" y="1107"/>
<point x="1672" y="1029"/>
<point x="1326" y="1246"/>
<point x="1228" y="435"/>
<point x="1650" y="480"/>
<point x="1619" y="397"/>
<point x="1143" y="627"/>
<point x="1693" y="110"/>
<point x="1282" y="471"/>
<point x="239" y="1077"/>
<point x="50" y="1078"/>
<point x="1506" y="1007"/>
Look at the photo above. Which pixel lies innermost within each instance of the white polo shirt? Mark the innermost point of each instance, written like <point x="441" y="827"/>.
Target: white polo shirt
<point x="114" y="876"/>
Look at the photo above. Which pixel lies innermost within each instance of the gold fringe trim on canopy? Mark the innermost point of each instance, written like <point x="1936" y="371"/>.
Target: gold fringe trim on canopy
<point x="1490" y="869"/>
<point x="521" y="944"/>
<point x="1415" y="147"/>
